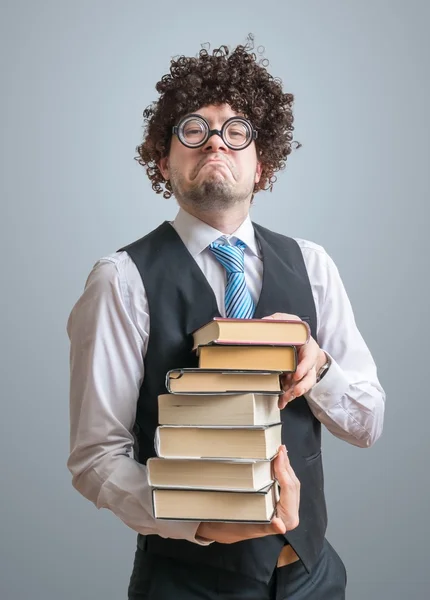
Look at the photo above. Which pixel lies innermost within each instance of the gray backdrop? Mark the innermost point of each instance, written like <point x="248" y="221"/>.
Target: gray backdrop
<point x="75" y="79"/>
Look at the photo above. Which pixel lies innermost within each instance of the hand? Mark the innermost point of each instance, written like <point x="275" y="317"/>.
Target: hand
<point x="310" y="358"/>
<point x="287" y="510"/>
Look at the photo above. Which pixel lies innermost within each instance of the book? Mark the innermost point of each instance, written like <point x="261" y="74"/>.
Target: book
<point x="203" y="505"/>
<point x="218" y="442"/>
<point x="211" y="381"/>
<point x="211" y="409"/>
<point x="209" y="474"/>
<point x="252" y="331"/>
<point x="272" y="358"/>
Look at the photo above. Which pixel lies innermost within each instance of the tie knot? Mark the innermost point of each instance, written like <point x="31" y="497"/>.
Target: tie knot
<point x="231" y="257"/>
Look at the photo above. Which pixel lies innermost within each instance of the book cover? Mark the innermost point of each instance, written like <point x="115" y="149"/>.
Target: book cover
<point x="209" y="474"/>
<point x="252" y="331"/>
<point x="248" y="357"/>
<point x="253" y="443"/>
<point x="247" y="409"/>
<point x="217" y="381"/>
<point x="215" y="505"/>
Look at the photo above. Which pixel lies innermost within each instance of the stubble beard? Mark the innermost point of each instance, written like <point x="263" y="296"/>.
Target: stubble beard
<point x="213" y="194"/>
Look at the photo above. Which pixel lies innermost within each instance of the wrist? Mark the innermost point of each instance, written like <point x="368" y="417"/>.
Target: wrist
<point x="322" y="366"/>
<point x="322" y="360"/>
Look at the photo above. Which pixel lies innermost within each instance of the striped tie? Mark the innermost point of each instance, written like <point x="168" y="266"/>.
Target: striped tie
<point x="238" y="301"/>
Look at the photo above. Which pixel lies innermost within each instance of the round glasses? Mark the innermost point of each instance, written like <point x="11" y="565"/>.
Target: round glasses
<point x="194" y="131"/>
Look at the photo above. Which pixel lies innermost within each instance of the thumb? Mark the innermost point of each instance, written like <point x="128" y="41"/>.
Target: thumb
<point x="280" y="465"/>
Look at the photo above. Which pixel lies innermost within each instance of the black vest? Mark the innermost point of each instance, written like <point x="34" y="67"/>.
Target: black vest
<point x="180" y="301"/>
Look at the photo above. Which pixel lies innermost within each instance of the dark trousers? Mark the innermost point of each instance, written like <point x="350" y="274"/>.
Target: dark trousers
<point x="157" y="577"/>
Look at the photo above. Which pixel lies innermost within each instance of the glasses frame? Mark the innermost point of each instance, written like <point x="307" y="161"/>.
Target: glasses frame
<point x="176" y="130"/>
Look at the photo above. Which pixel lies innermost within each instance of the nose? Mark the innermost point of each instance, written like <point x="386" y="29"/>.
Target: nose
<point x="215" y="143"/>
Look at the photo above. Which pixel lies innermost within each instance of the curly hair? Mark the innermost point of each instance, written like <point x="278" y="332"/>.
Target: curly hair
<point x="223" y="77"/>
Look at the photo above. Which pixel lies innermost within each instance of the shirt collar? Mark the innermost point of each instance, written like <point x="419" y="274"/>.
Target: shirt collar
<point x="197" y="235"/>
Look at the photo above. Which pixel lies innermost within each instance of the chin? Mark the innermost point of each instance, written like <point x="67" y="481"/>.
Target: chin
<point x="217" y="186"/>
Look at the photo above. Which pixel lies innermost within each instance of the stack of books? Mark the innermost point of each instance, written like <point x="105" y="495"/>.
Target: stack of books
<point x="220" y="425"/>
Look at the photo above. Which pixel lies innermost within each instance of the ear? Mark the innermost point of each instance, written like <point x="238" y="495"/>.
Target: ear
<point x="258" y="172"/>
<point x="163" y="165"/>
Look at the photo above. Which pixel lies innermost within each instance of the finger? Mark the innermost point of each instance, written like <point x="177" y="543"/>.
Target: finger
<point x="286" y="378"/>
<point x="304" y="385"/>
<point x="308" y="357"/>
<point x="290" y="393"/>
<point x="280" y="464"/>
<point x="284" y="472"/>
<point x="243" y="531"/>
<point x="286" y="381"/>
<point x="306" y="363"/>
<point x="288" y="506"/>
<point x="284" y="399"/>
<point x="287" y="465"/>
<point x="278" y="525"/>
<point x="283" y="317"/>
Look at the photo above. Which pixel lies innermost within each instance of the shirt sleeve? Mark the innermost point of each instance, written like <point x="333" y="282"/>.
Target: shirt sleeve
<point x="349" y="400"/>
<point x="108" y="330"/>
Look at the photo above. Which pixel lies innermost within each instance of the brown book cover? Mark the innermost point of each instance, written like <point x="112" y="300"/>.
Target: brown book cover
<point x="218" y="409"/>
<point x="253" y="443"/>
<point x="240" y="357"/>
<point x="214" y="381"/>
<point x="252" y="331"/>
<point x="215" y="505"/>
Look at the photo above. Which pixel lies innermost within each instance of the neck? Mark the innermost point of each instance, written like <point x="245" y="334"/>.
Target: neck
<point x="227" y="221"/>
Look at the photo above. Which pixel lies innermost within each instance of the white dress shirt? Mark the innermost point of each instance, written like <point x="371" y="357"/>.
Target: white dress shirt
<point x="109" y="328"/>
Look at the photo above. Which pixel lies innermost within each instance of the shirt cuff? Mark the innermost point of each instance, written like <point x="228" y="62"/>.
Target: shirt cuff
<point x="333" y="385"/>
<point x="184" y="530"/>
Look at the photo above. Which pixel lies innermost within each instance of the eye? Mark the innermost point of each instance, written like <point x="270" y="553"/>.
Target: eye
<point x="237" y="133"/>
<point x="234" y="132"/>
<point x="192" y="131"/>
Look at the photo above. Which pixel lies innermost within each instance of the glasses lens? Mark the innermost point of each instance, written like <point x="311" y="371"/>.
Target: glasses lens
<point x="238" y="133"/>
<point x="193" y="131"/>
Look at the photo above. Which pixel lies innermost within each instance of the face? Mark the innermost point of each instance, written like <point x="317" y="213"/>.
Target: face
<point x="212" y="177"/>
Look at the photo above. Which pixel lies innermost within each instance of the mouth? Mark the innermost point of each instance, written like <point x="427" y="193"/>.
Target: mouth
<point x="215" y="161"/>
<point x="212" y="161"/>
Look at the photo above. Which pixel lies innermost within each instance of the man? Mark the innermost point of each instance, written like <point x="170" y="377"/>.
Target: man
<point x="220" y="130"/>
